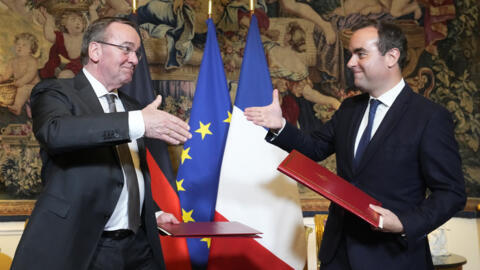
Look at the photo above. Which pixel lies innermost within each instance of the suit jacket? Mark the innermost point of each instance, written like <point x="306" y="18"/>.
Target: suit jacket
<point x="82" y="176"/>
<point x="413" y="149"/>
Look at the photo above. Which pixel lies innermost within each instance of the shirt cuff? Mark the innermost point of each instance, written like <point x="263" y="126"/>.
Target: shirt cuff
<point x="273" y="134"/>
<point x="136" y="126"/>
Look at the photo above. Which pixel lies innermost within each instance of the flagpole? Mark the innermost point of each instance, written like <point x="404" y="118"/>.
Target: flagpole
<point x="134" y="6"/>
<point x="252" y="8"/>
<point x="209" y="9"/>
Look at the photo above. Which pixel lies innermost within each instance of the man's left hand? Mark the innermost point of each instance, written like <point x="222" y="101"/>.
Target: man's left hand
<point x="391" y="223"/>
<point x="167" y="218"/>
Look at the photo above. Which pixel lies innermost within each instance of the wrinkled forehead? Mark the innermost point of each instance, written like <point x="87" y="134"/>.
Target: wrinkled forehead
<point x="120" y="33"/>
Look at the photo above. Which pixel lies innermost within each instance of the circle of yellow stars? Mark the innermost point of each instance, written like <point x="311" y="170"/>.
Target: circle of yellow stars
<point x="203" y="130"/>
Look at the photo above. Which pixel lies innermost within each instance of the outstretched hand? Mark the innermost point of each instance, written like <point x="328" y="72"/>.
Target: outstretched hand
<point x="269" y="116"/>
<point x="164" y="126"/>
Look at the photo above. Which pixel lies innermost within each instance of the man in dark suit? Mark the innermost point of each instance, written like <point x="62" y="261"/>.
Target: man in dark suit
<point x="96" y="210"/>
<point x="391" y="143"/>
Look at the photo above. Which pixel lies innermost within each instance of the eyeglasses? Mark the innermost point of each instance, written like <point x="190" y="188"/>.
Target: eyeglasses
<point x="125" y="49"/>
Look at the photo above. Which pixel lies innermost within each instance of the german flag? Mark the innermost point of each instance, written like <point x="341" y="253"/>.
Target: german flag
<point x="175" y="251"/>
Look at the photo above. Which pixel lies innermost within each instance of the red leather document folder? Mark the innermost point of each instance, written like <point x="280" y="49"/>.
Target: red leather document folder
<point x="331" y="186"/>
<point x="208" y="229"/>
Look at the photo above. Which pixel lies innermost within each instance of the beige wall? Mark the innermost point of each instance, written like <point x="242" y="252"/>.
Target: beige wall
<point x="10" y="233"/>
<point x="463" y="238"/>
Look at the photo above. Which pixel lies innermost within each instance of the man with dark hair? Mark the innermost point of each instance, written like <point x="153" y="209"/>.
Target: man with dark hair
<point x="391" y="143"/>
<point x="389" y="37"/>
<point x="96" y="210"/>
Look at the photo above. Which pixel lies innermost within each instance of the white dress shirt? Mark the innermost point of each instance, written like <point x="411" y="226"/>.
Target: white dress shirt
<point x="386" y="101"/>
<point x="119" y="218"/>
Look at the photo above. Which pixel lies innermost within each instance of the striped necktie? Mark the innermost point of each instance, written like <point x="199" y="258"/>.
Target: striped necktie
<point x="130" y="176"/>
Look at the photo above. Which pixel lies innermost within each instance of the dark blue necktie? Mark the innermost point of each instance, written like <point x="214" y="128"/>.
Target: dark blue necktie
<point x="367" y="133"/>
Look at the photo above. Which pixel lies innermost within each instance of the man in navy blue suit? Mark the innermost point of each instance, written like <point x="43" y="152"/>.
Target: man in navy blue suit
<point x="391" y="143"/>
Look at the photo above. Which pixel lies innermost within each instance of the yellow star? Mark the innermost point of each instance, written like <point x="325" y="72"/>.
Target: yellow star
<point x="187" y="216"/>
<point x="207" y="240"/>
<point x="185" y="154"/>
<point x="229" y="118"/>
<point x="179" y="185"/>
<point x="203" y="129"/>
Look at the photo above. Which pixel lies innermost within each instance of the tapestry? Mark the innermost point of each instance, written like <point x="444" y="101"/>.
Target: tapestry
<point x="306" y="46"/>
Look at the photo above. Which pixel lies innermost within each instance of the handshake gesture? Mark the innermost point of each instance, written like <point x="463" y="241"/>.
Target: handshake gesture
<point x="164" y="126"/>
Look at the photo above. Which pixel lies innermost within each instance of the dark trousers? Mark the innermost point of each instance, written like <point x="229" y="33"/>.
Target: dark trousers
<point x="129" y="252"/>
<point x="340" y="261"/>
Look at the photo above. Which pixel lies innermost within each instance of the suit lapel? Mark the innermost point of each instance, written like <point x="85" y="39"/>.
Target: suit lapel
<point x="89" y="97"/>
<point x="357" y="114"/>
<point x="86" y="93"/>
<point x="391" y="119"/>
<point x="125" y="101"/>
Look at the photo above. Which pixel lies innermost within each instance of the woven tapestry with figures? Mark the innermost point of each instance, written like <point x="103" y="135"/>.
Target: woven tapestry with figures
<point x="304" y="42"/>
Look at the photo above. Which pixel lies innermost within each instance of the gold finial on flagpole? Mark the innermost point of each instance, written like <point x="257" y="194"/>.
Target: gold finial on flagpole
<point x="134" y="6"/>
<point x="252" y="7"/>
<point x="209" y="9"/>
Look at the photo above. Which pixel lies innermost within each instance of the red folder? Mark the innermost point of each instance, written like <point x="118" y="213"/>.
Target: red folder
<point x="208" y="229"/>
<point x="331" y="186"/>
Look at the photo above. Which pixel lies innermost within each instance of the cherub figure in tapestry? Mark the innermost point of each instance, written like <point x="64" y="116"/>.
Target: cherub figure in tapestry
<point x="65" y="30"/>
<point x="21" y="70"/>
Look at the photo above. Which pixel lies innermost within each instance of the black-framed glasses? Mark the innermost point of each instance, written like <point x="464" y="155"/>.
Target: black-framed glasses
<point x="125" y="49"/>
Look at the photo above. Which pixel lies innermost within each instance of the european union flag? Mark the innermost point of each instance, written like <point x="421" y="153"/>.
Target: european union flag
<point x="201" y="159"/>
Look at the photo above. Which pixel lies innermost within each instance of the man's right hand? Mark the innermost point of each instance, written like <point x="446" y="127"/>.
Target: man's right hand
<point x="165" y="217"/>
<point x="164" y="126"/>
<point x="269" y="116"/>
